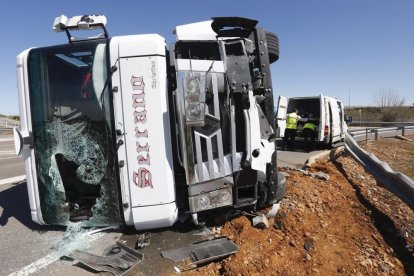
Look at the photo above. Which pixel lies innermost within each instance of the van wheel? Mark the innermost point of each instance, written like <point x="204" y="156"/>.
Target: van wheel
<point x="272" y="46"/>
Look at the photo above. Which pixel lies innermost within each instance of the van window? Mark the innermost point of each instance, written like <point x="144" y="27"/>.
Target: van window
<point x="306" y="106"/>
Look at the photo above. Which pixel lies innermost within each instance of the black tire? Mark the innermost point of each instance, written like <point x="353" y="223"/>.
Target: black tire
<point x="272" y="46"/>
<point x="280" y="189"/>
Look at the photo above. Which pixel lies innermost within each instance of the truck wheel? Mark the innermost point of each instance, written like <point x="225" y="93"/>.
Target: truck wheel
<point x="280" y="190"/>
<point x="272" y="46"/>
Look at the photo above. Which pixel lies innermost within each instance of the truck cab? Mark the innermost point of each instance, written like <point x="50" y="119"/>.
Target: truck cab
<point x="123" y="130"/>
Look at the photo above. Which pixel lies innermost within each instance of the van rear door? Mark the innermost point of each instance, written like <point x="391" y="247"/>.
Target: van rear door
<point x="335" y="121"/>
<point x="322" y="118"/>
<point x="280" y="115"/>
<point x="342" y="119"/>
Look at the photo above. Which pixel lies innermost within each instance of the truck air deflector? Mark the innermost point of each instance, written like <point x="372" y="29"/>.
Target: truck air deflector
<point x="220" y="23"/>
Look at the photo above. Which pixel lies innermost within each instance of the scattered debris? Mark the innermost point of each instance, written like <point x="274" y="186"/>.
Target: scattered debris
<point x="278" y="225"/>
<point x="320" y="175"/>
<point x="261" y="222"/>
<point x="208" y="232"/>
<point x="286" y="174"/>
<point x="119" y="259"/>
<point x="100" y="268"/>
<point x="100" y="260"/>
<point x="384" y="267"/>
<point x="403" y="138"/>
<point x="308" y="245"/>
<point x="272" y="213"/>
<point x="143" y="240"/>
<point x="201" y="252"/>
<point x="76" y="238"/>
<point x="115" y="227"/>
<point x="204" y="231"/>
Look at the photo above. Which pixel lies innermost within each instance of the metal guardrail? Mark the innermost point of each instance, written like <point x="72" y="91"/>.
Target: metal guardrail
<point x="370" y="123"/>
<point x="8" y="123"/>
<point x="397" y="183"/>
<point x="376" y="133"/>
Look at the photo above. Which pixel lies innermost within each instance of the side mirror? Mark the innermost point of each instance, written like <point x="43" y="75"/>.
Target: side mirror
<point x="349" y="119"/>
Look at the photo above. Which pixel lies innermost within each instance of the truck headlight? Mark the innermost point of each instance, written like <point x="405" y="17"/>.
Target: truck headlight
<point x="193" y="111"/>
<point x="192" y="85"/>
<point x="203" y="202"/>
<point x="211" y="200"/>
<point x="194" y="95"/>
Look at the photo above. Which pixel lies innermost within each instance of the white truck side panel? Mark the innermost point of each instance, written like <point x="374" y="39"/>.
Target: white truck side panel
<point x="147" y="130"/>
<point x="25" y="127"/>
<point x="141" y="110"/>
<point x="344" y="128"/>
<point x="156" y="216"/>
<point x="322" y="118"/>
<point x="140" y="45"/>
<point x="327" y="120"/>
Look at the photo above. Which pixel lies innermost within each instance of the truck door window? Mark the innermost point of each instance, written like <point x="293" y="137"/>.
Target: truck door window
<point x="73" y="134"/>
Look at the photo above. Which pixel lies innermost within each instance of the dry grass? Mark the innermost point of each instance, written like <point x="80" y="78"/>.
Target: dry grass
<point x="404" y="113"/>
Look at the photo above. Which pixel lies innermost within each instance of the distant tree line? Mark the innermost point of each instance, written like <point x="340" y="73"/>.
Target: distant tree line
<point x="388" y="106"/>
<point x="389" y="103"/>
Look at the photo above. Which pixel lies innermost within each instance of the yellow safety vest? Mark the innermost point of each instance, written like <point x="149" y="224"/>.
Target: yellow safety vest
<point x="310" y="126"/>
<point x="292" y="120"/>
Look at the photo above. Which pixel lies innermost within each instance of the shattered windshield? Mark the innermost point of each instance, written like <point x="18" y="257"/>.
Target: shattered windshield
<point x="73" y="134"/>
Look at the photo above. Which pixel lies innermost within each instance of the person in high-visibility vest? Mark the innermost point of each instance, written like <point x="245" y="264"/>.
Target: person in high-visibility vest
<point x="309" y="131"/>
<point x="291" y="129"/>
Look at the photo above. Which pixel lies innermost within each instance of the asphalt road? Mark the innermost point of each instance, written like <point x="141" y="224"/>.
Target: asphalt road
<point x="27" y="248"/>
<point x="10" y="164"/>
<point x="297" y="158"/>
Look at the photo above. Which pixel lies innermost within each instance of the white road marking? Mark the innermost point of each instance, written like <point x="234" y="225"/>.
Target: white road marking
<point x="6" y="139"/>
<point x="45" y="261"/>
<point x="2" y="158"/>
<point x="12" y="179"/>
<point x="7" y="152"/>
<point x="39" y="264"/>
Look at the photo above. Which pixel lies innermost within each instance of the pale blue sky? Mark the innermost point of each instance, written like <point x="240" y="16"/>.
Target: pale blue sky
<point x="329" y="47"/>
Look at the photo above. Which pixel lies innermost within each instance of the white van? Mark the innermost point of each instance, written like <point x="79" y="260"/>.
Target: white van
<point x="328" y="116"/>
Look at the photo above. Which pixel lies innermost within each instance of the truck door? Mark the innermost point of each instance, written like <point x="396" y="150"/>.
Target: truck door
<point x="341" y="119"/>
<point x="68" y="123"/>
<point x="322" y="118"/>
<point x="280" y="116"/>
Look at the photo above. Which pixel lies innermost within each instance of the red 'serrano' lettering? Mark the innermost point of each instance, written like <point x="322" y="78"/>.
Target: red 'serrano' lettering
<point x="143" y="177"/>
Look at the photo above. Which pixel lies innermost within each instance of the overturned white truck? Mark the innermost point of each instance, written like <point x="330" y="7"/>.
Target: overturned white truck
<point x="124" y="130"/>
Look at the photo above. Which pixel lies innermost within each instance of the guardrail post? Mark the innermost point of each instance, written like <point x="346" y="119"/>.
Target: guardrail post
<point x="403" y="130"/>
<point x="366" y="135"/>
<point x="376" y="133"/>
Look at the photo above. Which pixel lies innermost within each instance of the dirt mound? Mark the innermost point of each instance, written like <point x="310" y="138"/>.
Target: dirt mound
<point x="324" y="227"/>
